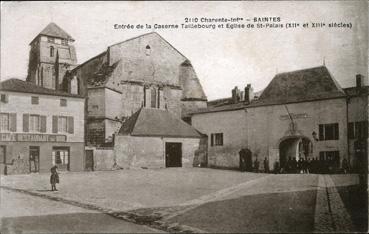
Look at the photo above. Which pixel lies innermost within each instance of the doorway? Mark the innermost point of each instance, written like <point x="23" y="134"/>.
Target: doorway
<point x="60" y="158"/>
<point x="294" y="147"/>
<point x="89" y="160"/>
<point x="245" y="160"/>
<point x="173" y="154"/>
<point x="34" y="159"/>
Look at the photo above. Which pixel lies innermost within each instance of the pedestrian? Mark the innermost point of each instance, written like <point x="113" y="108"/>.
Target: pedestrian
<point x="266" y="165"/>
<point x="294" y="165"/>
<point x="54" y="178"/>
<point x="256" y="165"/>
<point x="308" y="166"/>
<point x="276" y="167"/>
<point x="345" y="166"/>
<point x="289" y="165"/>
<point x="300" y="166"/>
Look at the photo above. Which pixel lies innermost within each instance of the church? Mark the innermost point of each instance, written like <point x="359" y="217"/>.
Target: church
<point x="144" y="72"/>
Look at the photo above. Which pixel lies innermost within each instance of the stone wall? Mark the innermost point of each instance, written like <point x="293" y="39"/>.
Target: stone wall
<point x="149" y="152"/>
<point x="103" y="159"/>
<point x="233" y="126"/>
<point x="268" y="126"/>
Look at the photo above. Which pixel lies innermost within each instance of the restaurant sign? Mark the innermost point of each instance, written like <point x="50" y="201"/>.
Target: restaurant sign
<point x="32" y="137"/>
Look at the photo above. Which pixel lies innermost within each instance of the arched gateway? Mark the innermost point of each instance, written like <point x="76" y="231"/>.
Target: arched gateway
<point x="294" y="147"/>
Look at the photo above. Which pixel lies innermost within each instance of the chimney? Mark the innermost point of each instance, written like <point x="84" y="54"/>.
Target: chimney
<point x="235" y="94"/>
<point x="359" y="81"/>
<point x="249" y="93"/>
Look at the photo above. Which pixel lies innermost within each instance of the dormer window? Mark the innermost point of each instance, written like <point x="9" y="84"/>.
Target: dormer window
<point x="51" y="51"/>
<point x="148" y="50"/>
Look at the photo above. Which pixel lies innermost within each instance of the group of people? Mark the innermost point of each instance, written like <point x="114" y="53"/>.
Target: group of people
<point x="304" y="166"/>
<point x="315" y="165"/>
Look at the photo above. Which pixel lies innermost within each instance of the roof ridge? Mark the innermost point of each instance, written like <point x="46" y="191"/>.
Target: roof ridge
<point x="145" y="34"/>
<point x="299" y="70"/>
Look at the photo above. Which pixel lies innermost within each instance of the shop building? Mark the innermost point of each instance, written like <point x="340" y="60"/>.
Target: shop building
<point x="39" y="128"/>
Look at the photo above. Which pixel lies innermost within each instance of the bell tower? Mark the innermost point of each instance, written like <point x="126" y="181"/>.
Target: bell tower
<point x="51" y="55"/>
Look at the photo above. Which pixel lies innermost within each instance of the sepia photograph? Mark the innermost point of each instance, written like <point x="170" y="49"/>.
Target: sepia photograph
<point x="184" y="117"/>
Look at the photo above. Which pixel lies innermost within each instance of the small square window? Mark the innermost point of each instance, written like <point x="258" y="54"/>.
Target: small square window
<point x="34" y="100"/>
<point x="50" y="39"/>
<point x="4" y="98"/>
<point x="63" y="102"/>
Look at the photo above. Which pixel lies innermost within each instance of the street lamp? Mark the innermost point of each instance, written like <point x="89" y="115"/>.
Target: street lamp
<point x="315" y="136"/>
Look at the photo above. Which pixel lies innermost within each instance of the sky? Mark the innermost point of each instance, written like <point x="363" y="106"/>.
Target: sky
<point x="222" y="58"/>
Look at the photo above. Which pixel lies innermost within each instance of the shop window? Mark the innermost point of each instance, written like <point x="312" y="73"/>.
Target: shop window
<point x="34" y="100"/>
<point x="63" y="102"/>
<point x="60" y="157"/>
<point x="2" y="154"/>
<point x="4" y="98"/>
<point x="328" y="132"/>
<point x="216" y="139"/>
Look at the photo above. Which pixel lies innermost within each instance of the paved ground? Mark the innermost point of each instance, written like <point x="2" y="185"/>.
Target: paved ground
<point x="21" y="213"/>
<point x="203" y="200"/>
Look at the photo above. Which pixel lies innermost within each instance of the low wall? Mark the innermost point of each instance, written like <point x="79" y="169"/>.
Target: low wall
<point x="148" y="152"/>
<point x="103" y="159"/>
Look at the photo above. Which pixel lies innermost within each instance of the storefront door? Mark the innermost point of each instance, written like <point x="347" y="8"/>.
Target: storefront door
<point x="34" y="158"/>
<point x="60" y="158"/>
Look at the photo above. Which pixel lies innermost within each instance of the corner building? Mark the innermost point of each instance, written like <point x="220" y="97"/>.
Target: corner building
<point x="39" y="128"/>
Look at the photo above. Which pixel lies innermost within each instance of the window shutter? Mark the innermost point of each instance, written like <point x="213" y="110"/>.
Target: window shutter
<point x="337" y="132"/>
<point x="43" y="123"/>
<point x="321" y="132"/>
<point x="211" y="139"/>
<point x="55" y="124"/>
<point x="25" y="122"/>
<point x="70" y="124"/>
<point x="13" y="122"/>
<point x="9" y="154"/>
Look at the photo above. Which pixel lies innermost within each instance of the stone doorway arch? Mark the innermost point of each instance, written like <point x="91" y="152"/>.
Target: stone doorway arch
<point x="294" y="147"/>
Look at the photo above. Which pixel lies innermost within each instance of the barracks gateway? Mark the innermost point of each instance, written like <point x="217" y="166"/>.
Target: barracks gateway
<point x="140" y="104"/>
<point x="300" y="114"/>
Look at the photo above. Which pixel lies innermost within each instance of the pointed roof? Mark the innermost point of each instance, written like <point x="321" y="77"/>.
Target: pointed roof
<point x="156" y="122"/>
<point x="298" y="86"/>
<point x="17" y="85"/>
<point x="54" y="30"/>
<point x="192" y="89"/>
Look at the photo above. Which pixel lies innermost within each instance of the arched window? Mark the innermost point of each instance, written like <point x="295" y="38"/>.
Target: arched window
<point x="148" y="50"/>
<point x="51" y="51"/>
<point x="153" y="98"/>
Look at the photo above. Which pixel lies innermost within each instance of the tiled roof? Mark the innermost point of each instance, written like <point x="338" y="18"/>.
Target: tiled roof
<point x="354" y="91"/>
<point x="156" y="122"/>
<point x="54" y="30"/>
<point x="17" y="85"/>
<point x="300" y="86"/>
<point x="289" y="87"/>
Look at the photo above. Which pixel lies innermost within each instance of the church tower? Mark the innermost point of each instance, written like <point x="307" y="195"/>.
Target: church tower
<point x="51" y="55"/>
